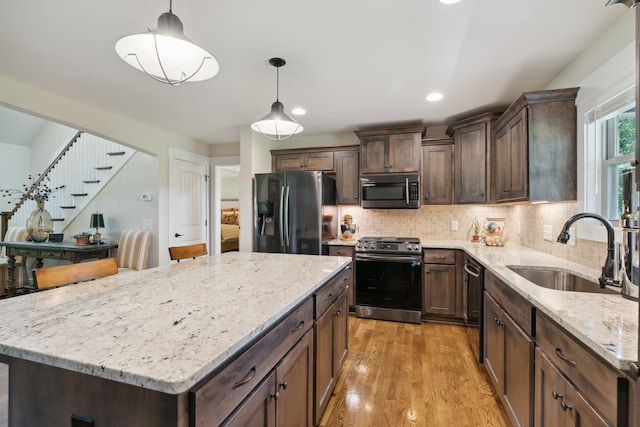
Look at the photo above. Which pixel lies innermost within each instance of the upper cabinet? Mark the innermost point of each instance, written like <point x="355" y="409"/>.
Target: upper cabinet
<point x="535" y="148"/>
<point x="473" y="138"/>
<point x="348" y="176"/>
<point x="390" y="150"/>
<point x="301" y="160"/>
<point x="437" y="172"/>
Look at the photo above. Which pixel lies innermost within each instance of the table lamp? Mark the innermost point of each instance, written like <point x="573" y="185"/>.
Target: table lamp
<point x="97" y="221"/>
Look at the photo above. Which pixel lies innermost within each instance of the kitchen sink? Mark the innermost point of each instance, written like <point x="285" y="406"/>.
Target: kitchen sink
<point x="560" y="280"/>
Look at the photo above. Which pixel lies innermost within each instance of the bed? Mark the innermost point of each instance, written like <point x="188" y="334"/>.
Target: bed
<point x="229" y="230"/>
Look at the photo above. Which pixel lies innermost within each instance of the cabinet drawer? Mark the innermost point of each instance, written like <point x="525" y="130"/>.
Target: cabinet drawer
<point x="437" y="256"/>
<point x="215" y="399"/>
<point x="35" y="253"/>
<point x="512" y="302"/>
<point x="329" y="293"/>
<point x="341" y="251"/>
<point x="593" y="378"/>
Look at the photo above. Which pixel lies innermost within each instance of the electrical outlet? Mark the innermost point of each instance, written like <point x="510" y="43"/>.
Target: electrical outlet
<point x="454" y="225"/>
<point x="547" y="232"/>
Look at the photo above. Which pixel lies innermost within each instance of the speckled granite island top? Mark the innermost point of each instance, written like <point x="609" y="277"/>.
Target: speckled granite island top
<point x="165" y="328"/>
<point x="607" y="324"/>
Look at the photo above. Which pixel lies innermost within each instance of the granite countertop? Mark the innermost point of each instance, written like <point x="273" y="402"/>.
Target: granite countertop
<point x="608" y="324"/>
<point x="338" y="242"/>
<point x="164" y="328"/>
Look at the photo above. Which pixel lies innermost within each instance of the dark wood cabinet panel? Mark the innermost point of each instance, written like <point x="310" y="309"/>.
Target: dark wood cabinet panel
<point x="536" y="148"/>
<point x="494" y="343"/>
<point x="348" y="251"/>
<point x="390" y="150"/>
<point x="437" y="174"/>
<point x="347" y="177"/>
<point x="439" y="289"/>
<point x="472" y="175"/>
<point x="297" y="160"/>
<point x="259" y="409"/>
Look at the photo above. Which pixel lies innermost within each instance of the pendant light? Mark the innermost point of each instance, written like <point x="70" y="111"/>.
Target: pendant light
<point x="166" y="55"/>
<point x="277" y="125"/>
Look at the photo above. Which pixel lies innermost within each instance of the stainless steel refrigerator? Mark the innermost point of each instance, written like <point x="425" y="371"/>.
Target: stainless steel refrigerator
<point x="294" y="212"/>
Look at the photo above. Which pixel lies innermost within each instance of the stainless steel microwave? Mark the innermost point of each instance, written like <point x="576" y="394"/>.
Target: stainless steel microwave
<point x="390" y="191"/>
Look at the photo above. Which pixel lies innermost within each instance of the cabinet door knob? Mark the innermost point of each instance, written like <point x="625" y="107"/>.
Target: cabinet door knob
<point x="556" y="395"/>
<point x="284" y="385"/>
<point x="426" y="197"/>
<point x="565" y="407"/>
<point x="276" y="395"/>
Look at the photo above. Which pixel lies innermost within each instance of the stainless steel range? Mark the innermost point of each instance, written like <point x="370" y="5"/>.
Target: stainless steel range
<point x="389" y="278"/>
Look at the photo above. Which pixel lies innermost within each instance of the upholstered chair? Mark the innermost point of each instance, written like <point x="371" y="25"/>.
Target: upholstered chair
<point x="22" y="277"/>
<point x="133" y="250"/>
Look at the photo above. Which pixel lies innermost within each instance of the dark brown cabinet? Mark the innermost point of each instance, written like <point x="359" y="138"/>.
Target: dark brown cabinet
<point x="557" y="402"/>
<point x="390" y="150"/>
<point x="285" y="397"/>
<point x="348" y="251"/>
<point x="331" y="351"/>
<point x="347" y="165"/>
<point x="535" y="148"/>
<point x="508" y="349"/>
<point x="437" y="172"/>
<point x="302" y="160"/>
<point x="440" y="290"/>
<point x="472" y="173"/>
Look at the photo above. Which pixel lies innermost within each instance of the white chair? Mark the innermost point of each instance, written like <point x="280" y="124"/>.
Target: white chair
<point x="14" y="234"/>
<point x="133" y="250"/>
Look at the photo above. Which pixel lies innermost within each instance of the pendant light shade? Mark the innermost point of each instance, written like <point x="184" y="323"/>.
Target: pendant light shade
<point x="277" y="125"/>
<point x="166" y="55"/>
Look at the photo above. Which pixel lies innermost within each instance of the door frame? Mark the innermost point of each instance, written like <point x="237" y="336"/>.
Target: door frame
<point x="186" y="156"/>
<point x="217" y="164"/>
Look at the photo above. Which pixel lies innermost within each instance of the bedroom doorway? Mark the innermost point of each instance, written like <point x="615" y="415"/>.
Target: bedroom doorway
<point x="226" y="204"/>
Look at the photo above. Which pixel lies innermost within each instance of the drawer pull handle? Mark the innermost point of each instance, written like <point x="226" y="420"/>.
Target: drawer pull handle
<point x="339" y="312"/>
<point x="246" y="379"/>
<point x="328" y="297"/>
<point x="563" y="357"/>
<point x="556" y="395"/>
<point x="297" y="328"/>
<point x="565" y="406"/>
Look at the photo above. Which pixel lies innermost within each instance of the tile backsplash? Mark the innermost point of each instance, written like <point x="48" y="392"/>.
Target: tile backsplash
<point x="434" y="222"/>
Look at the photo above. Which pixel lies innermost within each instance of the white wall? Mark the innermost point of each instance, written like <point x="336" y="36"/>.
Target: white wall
<point x="149" y="139"/>
<point x="48" y="144"/>
<point x="13" y="171"/>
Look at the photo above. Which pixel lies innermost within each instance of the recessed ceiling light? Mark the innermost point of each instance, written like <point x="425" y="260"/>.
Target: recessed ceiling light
<point x="435" y="96"/>
<point x="299" y="111"/>
<point x="449" y="1"/>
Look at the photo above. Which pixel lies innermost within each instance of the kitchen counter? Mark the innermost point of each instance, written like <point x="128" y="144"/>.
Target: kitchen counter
<point x="164" y="328"/>
<point x="607" y="324"/>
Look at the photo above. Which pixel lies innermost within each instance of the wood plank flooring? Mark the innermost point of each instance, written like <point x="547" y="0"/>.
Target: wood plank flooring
<point x="400" y="374"/>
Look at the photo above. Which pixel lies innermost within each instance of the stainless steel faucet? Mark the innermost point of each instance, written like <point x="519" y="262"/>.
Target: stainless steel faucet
<point x="611" y="265"/>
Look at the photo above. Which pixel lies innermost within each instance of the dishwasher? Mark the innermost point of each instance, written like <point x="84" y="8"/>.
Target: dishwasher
<point x="472" y="301"/>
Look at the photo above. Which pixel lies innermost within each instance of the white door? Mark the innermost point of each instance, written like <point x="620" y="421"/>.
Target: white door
<point x="188" y="202"/>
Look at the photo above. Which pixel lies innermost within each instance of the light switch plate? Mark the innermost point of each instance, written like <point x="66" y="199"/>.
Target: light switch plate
<point x="454" y="225"/>
<point x="147" y="224"/>
<point x="547" y="232"/>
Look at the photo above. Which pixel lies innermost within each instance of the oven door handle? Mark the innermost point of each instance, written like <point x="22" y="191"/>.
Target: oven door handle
<point x="471" y="270"/>
<point x="389" y="258"/>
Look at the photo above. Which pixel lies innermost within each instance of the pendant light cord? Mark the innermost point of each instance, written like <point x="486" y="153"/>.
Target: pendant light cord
<point x="170" y="6"/>
<point x="277" y="83"/>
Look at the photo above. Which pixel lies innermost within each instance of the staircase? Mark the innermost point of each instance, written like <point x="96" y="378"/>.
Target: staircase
<point x="83" y="168"/>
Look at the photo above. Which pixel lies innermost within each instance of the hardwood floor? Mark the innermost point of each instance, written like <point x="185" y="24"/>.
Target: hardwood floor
<point x="400" y="374"/>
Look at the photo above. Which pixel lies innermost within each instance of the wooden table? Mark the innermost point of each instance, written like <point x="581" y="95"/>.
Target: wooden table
<point x="39" y="251"/>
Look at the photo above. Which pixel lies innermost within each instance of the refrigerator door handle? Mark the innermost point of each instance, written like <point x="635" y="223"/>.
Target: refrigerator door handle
<point x="286" y="216"/>
<point x="281" y="216"/>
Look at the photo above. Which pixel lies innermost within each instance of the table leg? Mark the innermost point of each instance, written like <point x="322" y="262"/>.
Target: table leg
<point x="11" y="276"/>
<point x="39" y="263"/>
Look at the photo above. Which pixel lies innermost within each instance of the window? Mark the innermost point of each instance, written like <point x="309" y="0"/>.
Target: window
<point x="610" y="134"/>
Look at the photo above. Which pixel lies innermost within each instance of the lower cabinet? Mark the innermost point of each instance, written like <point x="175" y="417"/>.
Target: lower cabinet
<point x="557" y="402"/>
<point x="509" y="352"/>
<point x="348" y="251"/>
<point x="331" y="348"/>
<point x="285" y="397"/>
<point x="442" y="283"/>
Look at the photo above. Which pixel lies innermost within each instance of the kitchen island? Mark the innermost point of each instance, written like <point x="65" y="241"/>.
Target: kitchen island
<point x="132" y="349"/>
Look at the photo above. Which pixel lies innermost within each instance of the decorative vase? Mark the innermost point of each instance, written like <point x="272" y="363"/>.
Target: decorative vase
<point x="39" y="224"/>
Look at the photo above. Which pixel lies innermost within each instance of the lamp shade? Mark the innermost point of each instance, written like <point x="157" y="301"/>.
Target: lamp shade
<point x="97" y="221"/>
<point x="166" y="55"/>
<point x="277" y="124"/>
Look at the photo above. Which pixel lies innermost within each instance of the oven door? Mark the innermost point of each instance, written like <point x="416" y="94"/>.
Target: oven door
<point x="389" y="287"/>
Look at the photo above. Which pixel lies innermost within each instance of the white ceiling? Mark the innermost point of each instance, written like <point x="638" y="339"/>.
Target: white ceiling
<point x="350" y="64"/>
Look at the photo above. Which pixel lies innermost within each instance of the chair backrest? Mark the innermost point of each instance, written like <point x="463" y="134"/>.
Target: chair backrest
<point x="133" y="249"/>
<point x="176" y="253"/>
<point x="48" y="277"/>
<point x="14" y="234"/>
